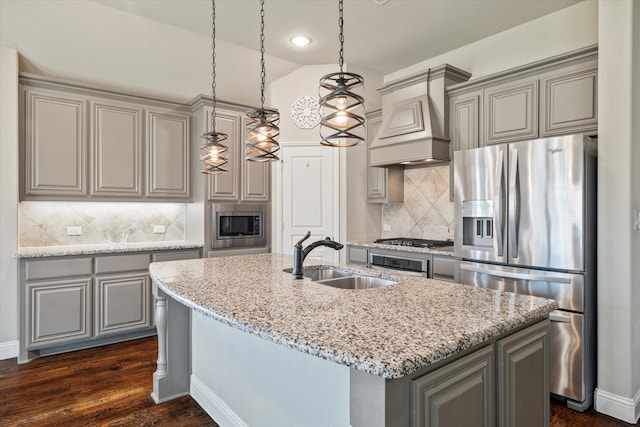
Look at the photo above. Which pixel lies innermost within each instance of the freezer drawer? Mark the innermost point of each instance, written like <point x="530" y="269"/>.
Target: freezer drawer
<point x="567" y="289"/>
<point x="567" y="359"/>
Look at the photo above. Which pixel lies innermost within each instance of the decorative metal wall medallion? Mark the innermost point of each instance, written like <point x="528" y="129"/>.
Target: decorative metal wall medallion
<point x="306" y="112"/>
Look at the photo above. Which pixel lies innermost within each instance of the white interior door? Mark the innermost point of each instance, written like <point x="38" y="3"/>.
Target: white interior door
<point x="309" y="198"/>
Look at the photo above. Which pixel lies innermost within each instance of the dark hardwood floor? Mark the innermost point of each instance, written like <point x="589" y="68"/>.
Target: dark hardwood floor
<point x="110" y="386"/>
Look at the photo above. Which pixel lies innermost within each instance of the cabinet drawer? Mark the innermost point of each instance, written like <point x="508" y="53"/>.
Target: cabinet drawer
<point x="175" y="256"/>
<point x="52" y="268"/>
<point x="117" y="263"/>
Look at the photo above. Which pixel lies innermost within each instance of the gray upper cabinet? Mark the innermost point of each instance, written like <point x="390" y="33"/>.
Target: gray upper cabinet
<point x="84" y="143"/>
<point x="53" y="144"/>
<point x="465" y="121"/>
<point x="384" y="184"/>
<point x="224" y="187"/>
<point x="168" y="155"/>
<point x="255" y="176"/>
<point x="116" y="149"/>
<point x="244" y="181"/>
<point x="554" y="96"/>
<point x="570" y="102"/>
<point x="511" y="112"/>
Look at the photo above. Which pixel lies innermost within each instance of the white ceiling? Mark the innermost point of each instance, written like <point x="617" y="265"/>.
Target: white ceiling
<point x="382" y="39"/>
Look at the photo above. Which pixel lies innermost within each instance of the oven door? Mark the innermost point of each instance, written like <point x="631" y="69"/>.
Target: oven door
<point x="392" y="261"/>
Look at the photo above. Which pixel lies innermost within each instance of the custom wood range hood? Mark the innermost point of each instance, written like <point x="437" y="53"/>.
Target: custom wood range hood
<point x="415" y="114"/>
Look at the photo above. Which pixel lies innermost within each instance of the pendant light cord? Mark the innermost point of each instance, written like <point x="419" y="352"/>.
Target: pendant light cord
<point x="213" y="64"/>
<point x="262" y="73"/>
<point x="341" y="37"/>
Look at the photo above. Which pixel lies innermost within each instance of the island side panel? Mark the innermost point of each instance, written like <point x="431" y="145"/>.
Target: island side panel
<point x="173" y="322"/>
<point x="241" y="379"/>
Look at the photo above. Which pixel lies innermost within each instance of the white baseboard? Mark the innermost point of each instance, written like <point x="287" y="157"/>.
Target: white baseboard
<point x="9" y="349"/>
<point x="619" y="407"/>
<point x="213" y="405"/>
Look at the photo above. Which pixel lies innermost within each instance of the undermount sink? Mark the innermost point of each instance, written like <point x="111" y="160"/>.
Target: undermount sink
<point x="343" y="279"/>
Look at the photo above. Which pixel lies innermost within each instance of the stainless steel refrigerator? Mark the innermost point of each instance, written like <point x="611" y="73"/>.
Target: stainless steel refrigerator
<point x="526" y="223"/>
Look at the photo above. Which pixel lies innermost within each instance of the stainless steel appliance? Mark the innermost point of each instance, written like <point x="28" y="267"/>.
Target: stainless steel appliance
<point x="526" y="223"/>
<point x="238" y="226"/>
<point x="413" y="263"/>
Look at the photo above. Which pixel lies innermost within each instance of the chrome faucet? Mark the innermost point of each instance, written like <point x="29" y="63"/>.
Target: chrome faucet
<point x="300" y="254"/>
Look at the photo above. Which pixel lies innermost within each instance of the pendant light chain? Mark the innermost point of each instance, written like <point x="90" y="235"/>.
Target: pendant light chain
<point x="262" y="73"/>
<point x="343" y="124"/>
<point x="262" y="124"/>
<point x="214" y="152"/>
<point x="341" y="37"/>
<point x="213" y="62"/>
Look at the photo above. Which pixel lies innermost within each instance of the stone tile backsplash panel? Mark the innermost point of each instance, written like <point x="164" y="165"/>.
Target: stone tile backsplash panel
<point x="45" y="223"/>
<point x="426" y="212"/>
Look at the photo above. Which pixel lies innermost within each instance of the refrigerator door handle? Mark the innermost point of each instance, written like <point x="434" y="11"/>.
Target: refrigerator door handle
<point x="514" y="208"/>
<point x="513" y="275"/>
<point x="498" y="212"/>
<point x="559" y="316"/>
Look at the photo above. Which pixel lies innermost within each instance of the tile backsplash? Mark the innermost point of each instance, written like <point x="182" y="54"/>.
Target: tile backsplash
<point x="45" y="223"/>
<point x="426" y="212"/>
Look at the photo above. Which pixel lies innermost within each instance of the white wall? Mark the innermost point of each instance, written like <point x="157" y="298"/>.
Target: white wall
<point x="84" y="40"/>
<point x="8" y="202"/>
<point x="568" y="29"/>
<point x="618" y="384"/>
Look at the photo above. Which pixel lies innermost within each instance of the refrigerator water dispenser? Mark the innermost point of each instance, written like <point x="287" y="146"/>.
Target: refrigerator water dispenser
<point x="477" y="223"/>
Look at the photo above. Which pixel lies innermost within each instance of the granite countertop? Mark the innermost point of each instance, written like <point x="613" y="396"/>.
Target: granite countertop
<point x="444" y="250"/>
<point x="388" y="331"/>
<point x="103" y="248"/>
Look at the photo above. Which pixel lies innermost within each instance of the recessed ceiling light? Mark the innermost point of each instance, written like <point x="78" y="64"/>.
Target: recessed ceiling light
<point x="380" y="2"/>
<point x="300" y="41"/>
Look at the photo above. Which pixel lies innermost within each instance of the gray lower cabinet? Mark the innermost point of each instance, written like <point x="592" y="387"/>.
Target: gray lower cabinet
<point x="458" y="394"/>
<point x="443" y="267"/>
<point x="357" y="255"/>
<point x="505" y="383"/>
<point x="59" y="312"/>
<point x="83" y="301"/>
<point x="523" y="379"/>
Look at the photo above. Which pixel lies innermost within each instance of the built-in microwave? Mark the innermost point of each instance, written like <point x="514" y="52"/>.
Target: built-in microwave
<point x="238" y="226"/>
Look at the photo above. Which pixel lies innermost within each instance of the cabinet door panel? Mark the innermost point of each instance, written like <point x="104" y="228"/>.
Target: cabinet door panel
<point x="116" y="150"/>
<point x="465" y="123"/>
<point x="225" y="186"/>
<point x="511" y="112"/>
<point x="256" y="176"/>
<point x="524" y="378"/>
<point x="122" y="303"/>
<point x="458" y="394"/>
<point x="570" y="103"/>
<point x="54" y="142"/>
<point x="58" y="312"/>
<point x="168" y="156"/>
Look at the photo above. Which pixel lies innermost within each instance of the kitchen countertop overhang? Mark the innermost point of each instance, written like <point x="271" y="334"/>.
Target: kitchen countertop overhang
<point x="443" y="250"/>
<point x="389" y="331"/>
<point x="103" y="248"/>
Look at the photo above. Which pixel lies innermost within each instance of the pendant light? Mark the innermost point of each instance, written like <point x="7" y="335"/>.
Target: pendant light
<point x="214" y="152"/>
<point x="340" y="96"/>
<point x="262" y="125"/>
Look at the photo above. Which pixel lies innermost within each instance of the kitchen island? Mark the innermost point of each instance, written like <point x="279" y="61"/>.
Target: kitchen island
<point x="255" y="347"/>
